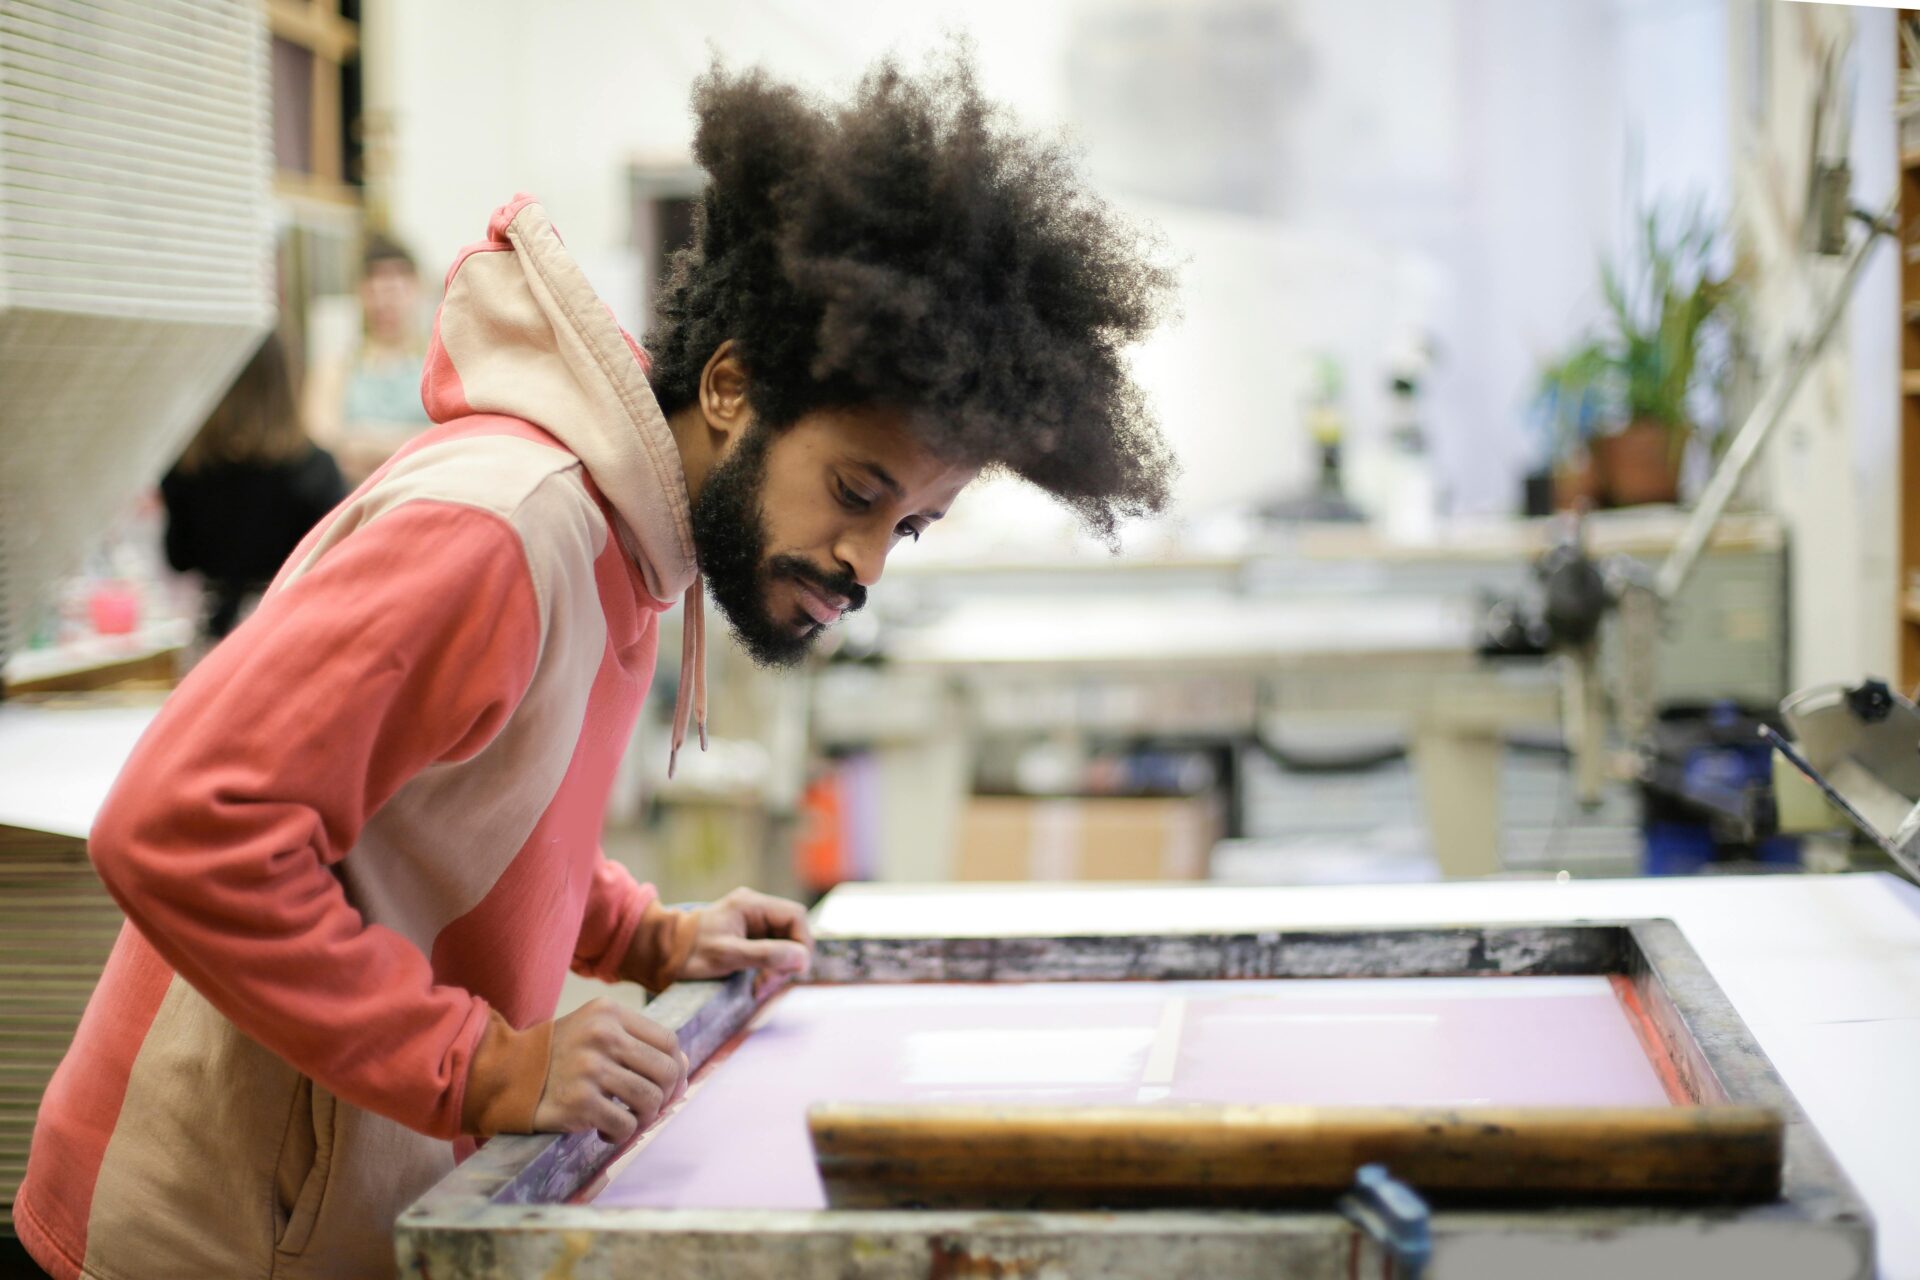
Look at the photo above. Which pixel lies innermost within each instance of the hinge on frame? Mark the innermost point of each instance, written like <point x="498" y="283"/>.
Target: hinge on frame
<point x="1394" y="1216"/>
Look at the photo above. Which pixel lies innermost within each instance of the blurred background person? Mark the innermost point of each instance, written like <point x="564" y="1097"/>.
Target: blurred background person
<point x="365" y="406"/>
<point x="247" y="489"/>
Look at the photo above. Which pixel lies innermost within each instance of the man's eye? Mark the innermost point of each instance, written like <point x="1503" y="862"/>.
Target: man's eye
<point x="849" y="499"/>
<point x="908" y="531"/>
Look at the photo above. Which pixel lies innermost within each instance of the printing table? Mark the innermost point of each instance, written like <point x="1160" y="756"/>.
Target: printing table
<point x="1825" y="973"/>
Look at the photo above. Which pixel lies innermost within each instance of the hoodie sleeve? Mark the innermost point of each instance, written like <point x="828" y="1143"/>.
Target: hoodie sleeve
<point x="628" y="935"/>
<point x="410" y="642"/>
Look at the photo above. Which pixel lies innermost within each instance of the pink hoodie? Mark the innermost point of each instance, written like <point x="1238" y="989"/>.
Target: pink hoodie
<point x="359" y="847"/>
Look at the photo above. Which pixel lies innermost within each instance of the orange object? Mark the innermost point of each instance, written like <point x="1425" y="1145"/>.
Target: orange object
<point x="820" y="850"/>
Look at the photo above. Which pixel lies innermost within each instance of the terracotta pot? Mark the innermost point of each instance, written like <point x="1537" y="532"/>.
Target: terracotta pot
<point x="1638" y="464"/>
<point x="1576" y="483"/>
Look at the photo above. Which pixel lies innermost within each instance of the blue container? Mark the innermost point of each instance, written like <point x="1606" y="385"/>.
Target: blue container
<point x="1677" y="848"/>
<point x="1721" y="760"/>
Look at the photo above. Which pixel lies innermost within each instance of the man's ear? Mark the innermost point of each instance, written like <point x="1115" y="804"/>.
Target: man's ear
<point x="723" y="396"/>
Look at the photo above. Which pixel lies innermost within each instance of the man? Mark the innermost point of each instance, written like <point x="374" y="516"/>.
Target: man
<point x="358" y="848"/>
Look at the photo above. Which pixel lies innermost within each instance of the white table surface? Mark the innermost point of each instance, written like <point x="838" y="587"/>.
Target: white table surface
<point x="1197" y="627"/>
<point x="57" y="763"/>
<point x="164" y="636"/>
<point x="1824" y="969"/>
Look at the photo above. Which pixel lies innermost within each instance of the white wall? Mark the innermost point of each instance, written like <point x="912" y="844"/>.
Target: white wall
<point x="1452" y="161"/>
<point x="490" y="97"/>
<point x="1536" y="199"/>
<point x="1874" y="333"/>
<point x="1556" y="99"/>
<point x="1874" y="329"/>
<point x="1829" y="470"/>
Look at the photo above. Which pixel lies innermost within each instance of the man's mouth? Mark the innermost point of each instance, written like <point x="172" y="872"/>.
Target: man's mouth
<point x="821" y="607"/>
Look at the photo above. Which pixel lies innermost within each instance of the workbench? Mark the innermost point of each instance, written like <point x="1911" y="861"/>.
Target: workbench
<point x="153" y="654"/>
<point x="57" y="923"/>
<point x="1322" y="630"/>
<point x="1219" y="667"/>
<point x="57" y="763"/>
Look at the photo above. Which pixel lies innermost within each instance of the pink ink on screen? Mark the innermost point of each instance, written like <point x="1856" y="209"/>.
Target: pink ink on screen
<point x="740" y="1138"/>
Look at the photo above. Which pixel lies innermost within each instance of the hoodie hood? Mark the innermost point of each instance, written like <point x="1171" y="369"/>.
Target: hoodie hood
<point x="520" y="332"/>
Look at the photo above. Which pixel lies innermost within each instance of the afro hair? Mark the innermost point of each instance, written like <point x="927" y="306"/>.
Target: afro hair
<point x="913" y="249"/>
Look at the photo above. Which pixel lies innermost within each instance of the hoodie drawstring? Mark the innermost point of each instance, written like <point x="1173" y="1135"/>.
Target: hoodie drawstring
<point x="691" y="699"/>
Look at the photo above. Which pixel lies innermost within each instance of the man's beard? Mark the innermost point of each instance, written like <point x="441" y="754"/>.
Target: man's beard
<point x="730" y="537"/>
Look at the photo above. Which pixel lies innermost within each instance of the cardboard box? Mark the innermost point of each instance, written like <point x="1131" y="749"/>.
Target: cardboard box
<point x="1103" y="838"/>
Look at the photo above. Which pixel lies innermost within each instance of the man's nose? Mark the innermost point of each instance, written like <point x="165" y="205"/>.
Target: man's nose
<point x="863" y="555"/>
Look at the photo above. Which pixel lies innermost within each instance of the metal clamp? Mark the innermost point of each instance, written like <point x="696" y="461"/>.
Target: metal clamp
<point x="1394" y="1216"/>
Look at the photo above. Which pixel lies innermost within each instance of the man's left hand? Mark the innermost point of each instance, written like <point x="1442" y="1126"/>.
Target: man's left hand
<point x="750" y="930"/>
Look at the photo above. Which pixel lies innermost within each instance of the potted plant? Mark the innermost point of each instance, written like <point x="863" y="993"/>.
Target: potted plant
<point x="1640" y="385"/>
<point x="1569" y="401"/>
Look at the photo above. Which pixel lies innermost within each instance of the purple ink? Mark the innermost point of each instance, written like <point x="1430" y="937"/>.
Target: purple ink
<point x="740" y="1138"/>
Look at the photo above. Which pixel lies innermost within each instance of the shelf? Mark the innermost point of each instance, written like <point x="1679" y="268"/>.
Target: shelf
<point x="1910" y="608"/>
<point x="1910" y="381"/>
<point x="1910" y="159"/>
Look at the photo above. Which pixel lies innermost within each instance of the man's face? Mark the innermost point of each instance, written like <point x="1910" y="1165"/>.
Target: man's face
<point x="792" y="526"/>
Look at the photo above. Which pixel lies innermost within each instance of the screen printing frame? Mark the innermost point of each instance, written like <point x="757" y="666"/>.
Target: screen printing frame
<point x="505" y="1211"/>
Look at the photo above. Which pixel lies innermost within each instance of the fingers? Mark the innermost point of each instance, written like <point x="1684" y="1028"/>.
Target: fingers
<point x="611" y="1070"/>
<point x="581" y="1101"/>
<point x="649" y="1050"/>
<point x="790" y="919"/>
<point x="629" y="1101"/>
<point x="769" y="917"/>
<point x="643" y="1098"/>
<point x="751" y="930"/>
<point x="645" y="1029"/>
<point x="613" y="1122"/>
<point x="679" y="1090"/>
<point x="776" y="955"/>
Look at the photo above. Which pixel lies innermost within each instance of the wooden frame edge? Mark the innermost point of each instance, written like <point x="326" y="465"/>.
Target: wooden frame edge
<point x="491" y="1207"/>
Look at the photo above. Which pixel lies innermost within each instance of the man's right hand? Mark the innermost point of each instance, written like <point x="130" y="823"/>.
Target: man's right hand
<point x="609" y="1069"/>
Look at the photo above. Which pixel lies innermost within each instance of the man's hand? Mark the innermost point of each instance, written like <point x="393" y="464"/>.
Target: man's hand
<point x="609" y="1069"/>
<point x="749" y="930"/>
